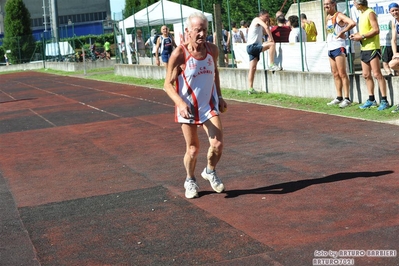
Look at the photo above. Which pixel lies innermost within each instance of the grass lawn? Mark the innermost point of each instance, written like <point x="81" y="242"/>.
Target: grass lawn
<point x="302" y="103"/>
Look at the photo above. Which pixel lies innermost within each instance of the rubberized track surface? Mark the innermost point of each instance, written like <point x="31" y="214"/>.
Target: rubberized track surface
<point x="91" y="173"/>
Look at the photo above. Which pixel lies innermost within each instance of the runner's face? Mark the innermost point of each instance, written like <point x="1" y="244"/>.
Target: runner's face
<point x="328" y="6"/>
<point x="198" y="31"/>
<point x="394" y="12"/>
<point x="265" y="18"/>
<point x="356" y="5"/>
<point x="164" y="30"/>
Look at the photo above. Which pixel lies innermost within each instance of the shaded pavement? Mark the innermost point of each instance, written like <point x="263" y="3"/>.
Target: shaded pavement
<point x="91" y="173"/>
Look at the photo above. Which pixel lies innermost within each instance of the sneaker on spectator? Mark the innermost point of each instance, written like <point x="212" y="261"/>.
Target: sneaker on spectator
<point x="345" y="103"/>
<point x="334" y="102"/>
<point x="383" y="105"/>
<point x="368" y="104"/>
<point x="396" y="110"/>
<point x="191" y="188"/>
<point x="252" y="91"/>
<point x="214" y="180"/>
<point x="274" y="67"/>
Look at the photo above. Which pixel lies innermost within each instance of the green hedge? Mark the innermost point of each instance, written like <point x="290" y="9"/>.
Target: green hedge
<point x="84" y="41"/>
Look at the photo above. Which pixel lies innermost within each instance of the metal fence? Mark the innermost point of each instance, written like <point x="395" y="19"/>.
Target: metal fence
<point x="25" y="49"/>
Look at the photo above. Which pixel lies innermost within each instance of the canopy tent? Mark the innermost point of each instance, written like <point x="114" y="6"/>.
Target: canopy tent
<point x="159" y="13"/>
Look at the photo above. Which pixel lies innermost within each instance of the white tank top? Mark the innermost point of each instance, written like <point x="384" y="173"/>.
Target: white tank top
<point x="245" y="33"/>
<point x="255" y="33"/>
<point x="236" y="36"/>
<point x="196" y="86"/>
<point x="333" y="30"/>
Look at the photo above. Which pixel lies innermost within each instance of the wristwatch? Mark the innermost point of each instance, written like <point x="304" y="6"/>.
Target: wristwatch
<point x="363" y="37"/>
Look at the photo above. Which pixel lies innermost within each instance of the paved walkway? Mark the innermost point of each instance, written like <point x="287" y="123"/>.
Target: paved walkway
<point x="91" y="174"/>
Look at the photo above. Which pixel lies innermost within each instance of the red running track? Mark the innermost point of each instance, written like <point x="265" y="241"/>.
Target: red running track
<point x="91" y="173"/>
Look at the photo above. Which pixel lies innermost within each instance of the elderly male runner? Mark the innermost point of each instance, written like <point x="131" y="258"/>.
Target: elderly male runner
<point x="198" y="100"/>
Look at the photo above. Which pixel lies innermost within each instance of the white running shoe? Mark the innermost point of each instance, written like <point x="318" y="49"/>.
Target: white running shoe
<point x="191" y="189"/>
<point x="334" y="102"/>
<point x="216" y="183"/>
<point x="274" y="68"/>
<point x="345" y="103"/>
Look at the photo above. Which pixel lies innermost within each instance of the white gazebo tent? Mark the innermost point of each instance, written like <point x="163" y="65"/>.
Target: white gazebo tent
<point x="159" y="13"/>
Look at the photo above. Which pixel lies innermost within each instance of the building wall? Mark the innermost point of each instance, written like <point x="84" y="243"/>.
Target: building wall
<point x="76" y="11"/>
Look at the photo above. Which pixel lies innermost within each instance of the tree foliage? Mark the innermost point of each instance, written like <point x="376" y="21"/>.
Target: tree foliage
<point x="17" y="32"/>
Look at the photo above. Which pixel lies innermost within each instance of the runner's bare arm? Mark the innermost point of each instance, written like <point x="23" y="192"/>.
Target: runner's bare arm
<point x="393" y="40"/>
<point x="266" y="27"/>
<point x="374" y="25"/>
<point x="342" y="19"/>
<point x="175" y="65"/>
<point x="215" y="55"/>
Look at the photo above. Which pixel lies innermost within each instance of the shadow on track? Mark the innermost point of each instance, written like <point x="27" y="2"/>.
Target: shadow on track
<point x="293" y="186"/>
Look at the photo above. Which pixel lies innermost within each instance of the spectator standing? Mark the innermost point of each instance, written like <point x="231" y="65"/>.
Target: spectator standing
<point x="394" y="53"/>
<point x="337" y="27"/>
<point x="310" y="28"/>
<point x="133" y="52"/>
<point x="151" y="42"/>
<point x="107" y="49"/>
<point x="281" y="32"/>
<point x="140" y="44"/>
<point x="122" y="50"/>
<point x="192" y="82"/>
<point x="93" y="51"/>
<point x="295" y="33"/>
<point x="209" y="38"/>
<point x="225" y="44"/>
<point x="164" y="47"/>
<point x="386" y="47"/>
<point x="6" y="59"/>
<point x="370" y="53"/>
<point x="256" y="46"/>
<point x="226" y="40"/>
<point x="237" y="36"/>
<point x="394" y="62"/>
<point x="244" y="29"/>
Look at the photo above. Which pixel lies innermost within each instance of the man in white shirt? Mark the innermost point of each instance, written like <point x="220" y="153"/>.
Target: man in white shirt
<point x="256" y="45"/>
